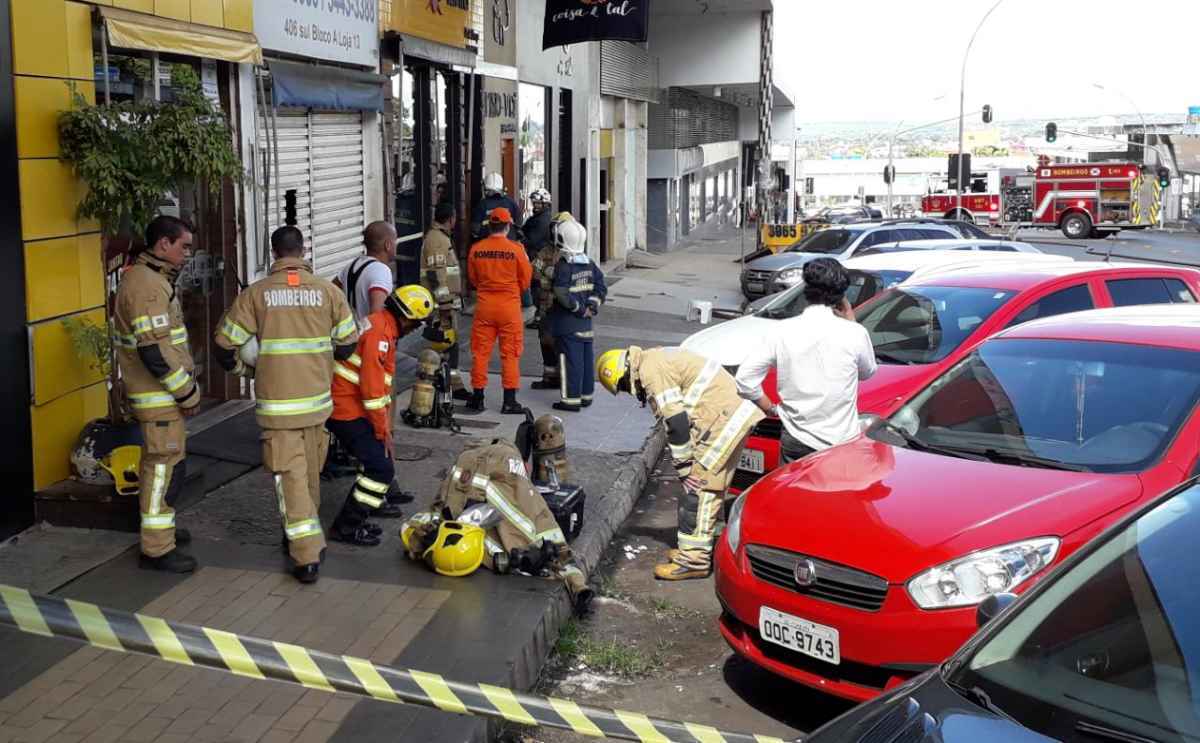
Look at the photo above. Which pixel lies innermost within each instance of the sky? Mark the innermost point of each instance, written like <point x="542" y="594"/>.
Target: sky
<point x="887" y="60"/>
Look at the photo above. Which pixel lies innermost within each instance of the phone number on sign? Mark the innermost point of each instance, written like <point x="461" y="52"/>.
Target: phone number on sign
<point x="363" y="10"/>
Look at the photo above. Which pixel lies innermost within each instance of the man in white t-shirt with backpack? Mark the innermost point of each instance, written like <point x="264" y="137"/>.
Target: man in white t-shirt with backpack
<point x="368" y="280"/>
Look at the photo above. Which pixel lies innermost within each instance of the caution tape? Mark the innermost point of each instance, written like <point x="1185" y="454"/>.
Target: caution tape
<point x="255" y="658"/>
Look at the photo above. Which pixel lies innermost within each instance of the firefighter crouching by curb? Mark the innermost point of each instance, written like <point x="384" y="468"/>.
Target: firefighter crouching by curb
<point x="156" y="366"/>
<point x="500" y="272"/>
<point x="362" y="413"/>
<point x="488" y="512"/>
<point x="297" y="320"/>
<point x="441" y="275"/>
<point x="707" y="423"/>
<point x="542" y="286"/>
<point x="579" y="290"/>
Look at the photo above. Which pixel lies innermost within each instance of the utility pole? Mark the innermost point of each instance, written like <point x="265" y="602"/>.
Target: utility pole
<point x="962" y="98"/>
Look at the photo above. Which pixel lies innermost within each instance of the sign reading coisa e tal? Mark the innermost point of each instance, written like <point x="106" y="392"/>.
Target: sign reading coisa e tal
<point x="573" y="21"/>
<point x="344" y="31"/>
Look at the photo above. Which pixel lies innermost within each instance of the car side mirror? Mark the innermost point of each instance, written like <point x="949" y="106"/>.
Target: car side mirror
<point x="990" y="607"/>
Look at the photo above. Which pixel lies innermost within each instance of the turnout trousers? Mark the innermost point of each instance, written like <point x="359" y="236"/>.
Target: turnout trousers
<point x="577" y="382"/>
<point x="549" y="344"/>
<point x="294" y="457"/>
<point x="497" y="318"/>
<point x="374" y="478"/>
<point x="161" y="477"/>
<point x="698" y="512"/>
<point x="448" y="320"/>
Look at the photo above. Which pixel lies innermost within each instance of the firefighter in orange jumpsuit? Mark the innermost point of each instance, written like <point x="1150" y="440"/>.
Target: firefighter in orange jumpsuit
<point x="500" y="272"/>
<point x="362" y="406"/>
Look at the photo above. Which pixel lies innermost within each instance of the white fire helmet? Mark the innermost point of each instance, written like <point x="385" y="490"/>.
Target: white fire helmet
<point x="248" y="352"/>
<point x="571" y="238"/>
<point x="493" y="183"/>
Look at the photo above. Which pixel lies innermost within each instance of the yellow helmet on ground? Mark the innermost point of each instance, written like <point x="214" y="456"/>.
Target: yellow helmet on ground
<point x="123" y="463"/>
<point x="411" y="301"/>
<point x="611" y="368"/>
<point x="458" y="549"/>
<point x="449" y="338"/>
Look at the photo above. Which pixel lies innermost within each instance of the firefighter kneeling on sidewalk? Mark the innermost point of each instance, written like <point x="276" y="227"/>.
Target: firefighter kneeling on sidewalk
<point x="707" y="424"/>
<point x="489" y="513"/>
<point x="362" y="412"/>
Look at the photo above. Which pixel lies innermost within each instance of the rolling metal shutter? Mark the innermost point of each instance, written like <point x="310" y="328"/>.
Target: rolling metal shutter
<point x="321" y="156"/>
<point x="628" y="71"/>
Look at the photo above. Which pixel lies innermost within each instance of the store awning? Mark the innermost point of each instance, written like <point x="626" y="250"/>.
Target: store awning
<point x="310" y="86"/>
<point x="130" y="30"/>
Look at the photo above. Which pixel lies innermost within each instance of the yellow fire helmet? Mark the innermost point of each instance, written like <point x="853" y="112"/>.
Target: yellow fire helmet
<point x="450" y="337"/>
<point x="123" y="463"/>
<point x="611" y="368"/>
<point x="411" y="301"/>
<point x="562" y="217"/>
<point x="458" y="549"/>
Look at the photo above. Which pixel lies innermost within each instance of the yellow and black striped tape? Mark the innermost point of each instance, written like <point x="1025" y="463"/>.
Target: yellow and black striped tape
<point x="263" y="659"/>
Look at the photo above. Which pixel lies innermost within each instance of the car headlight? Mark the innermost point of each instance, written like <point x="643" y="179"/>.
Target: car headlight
<point x="970" y="579"/>
<point x="733" y="527"/>
<point x="789" y="275"/>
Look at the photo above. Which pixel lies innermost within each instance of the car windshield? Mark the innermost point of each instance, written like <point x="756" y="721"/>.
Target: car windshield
<point x="923" y="325"/>
<point x="863" y="286"/>
<point x="1111" y="649"/>
<point x="826" y="241"/>
<point x="1056" y="404"/>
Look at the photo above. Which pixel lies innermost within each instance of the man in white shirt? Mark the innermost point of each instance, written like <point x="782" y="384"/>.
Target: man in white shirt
<point x="820" y="357"/>
<point x="368" y="281"/>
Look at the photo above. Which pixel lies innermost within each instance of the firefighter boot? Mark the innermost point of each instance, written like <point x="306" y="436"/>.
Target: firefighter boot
<point x="476" y="402"/>
<point x="511" y="406"/>
<point x="361" y="536"/>
<point x="172" y="562"/>
<point x="685" y="565"/>
<point x="307" y="573"/>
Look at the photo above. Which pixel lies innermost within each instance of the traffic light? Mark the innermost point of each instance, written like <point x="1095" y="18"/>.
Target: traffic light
<point x="1051" y="132"/>
<point x="889" y="174"/>
<point x="987" y="114"/>
<point x="1164" y="176"/>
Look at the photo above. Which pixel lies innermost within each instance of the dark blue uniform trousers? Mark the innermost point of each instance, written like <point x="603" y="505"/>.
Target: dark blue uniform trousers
<point x="371" y="486"/>
<point x="577" y="373"/>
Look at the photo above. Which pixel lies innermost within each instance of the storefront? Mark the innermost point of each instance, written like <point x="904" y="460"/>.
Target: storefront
<point x="430" y="58"/>
<point x="107" y="55"/>
<point x="318" y="128"/>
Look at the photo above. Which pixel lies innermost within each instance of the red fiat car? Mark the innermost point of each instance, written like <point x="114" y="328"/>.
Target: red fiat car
<point x="924" y="327"/>
<point x="858" y="567"/>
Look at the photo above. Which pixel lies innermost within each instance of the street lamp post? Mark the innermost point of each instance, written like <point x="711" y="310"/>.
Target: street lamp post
<point x="1145" y="139"/>
<point x="962" y="97"/>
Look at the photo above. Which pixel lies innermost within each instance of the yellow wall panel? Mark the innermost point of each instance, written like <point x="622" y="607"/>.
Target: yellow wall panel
<point x="48" y="199"/>
<point x="57" y="368"/>
<point x="80" y="62"/>
<point x="39" y="101"/>
<point x="83" y="224"/>
<point x="208" y="12"/>
<point x="91" y="271"/>
<point x="143" y="6"/>
<point x="56" y="426"/>
<point x="239" y="15"/>
<point x="63" y="276"/>
<point x="177" y="9"/>
<point x="39" y="31"/>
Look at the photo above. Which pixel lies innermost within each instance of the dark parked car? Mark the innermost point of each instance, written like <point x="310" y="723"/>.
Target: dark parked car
<point x="1106" y="648"/>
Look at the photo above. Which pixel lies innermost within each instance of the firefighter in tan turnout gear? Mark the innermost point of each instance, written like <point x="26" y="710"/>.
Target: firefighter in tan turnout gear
<point x="707" y="423"/>
<point x="442" y="276"/>
<point x="489" y="487"/>
<point x="156" y="366"/>
<point x="301" y="324"/>
<point x="544" y="262"/>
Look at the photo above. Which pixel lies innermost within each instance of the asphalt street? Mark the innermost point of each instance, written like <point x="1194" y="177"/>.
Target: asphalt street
<point x="1173" y="247"/>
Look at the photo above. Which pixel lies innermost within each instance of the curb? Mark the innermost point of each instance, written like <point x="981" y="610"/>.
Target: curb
<point x="619" y="501"/>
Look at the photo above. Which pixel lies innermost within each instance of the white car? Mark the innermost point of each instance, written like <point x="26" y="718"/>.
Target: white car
<point x="989" y="246"/>
<point x="729" y="342"/>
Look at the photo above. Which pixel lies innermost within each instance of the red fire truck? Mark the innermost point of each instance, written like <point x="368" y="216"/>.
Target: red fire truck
<point x="1082" y="199"/>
